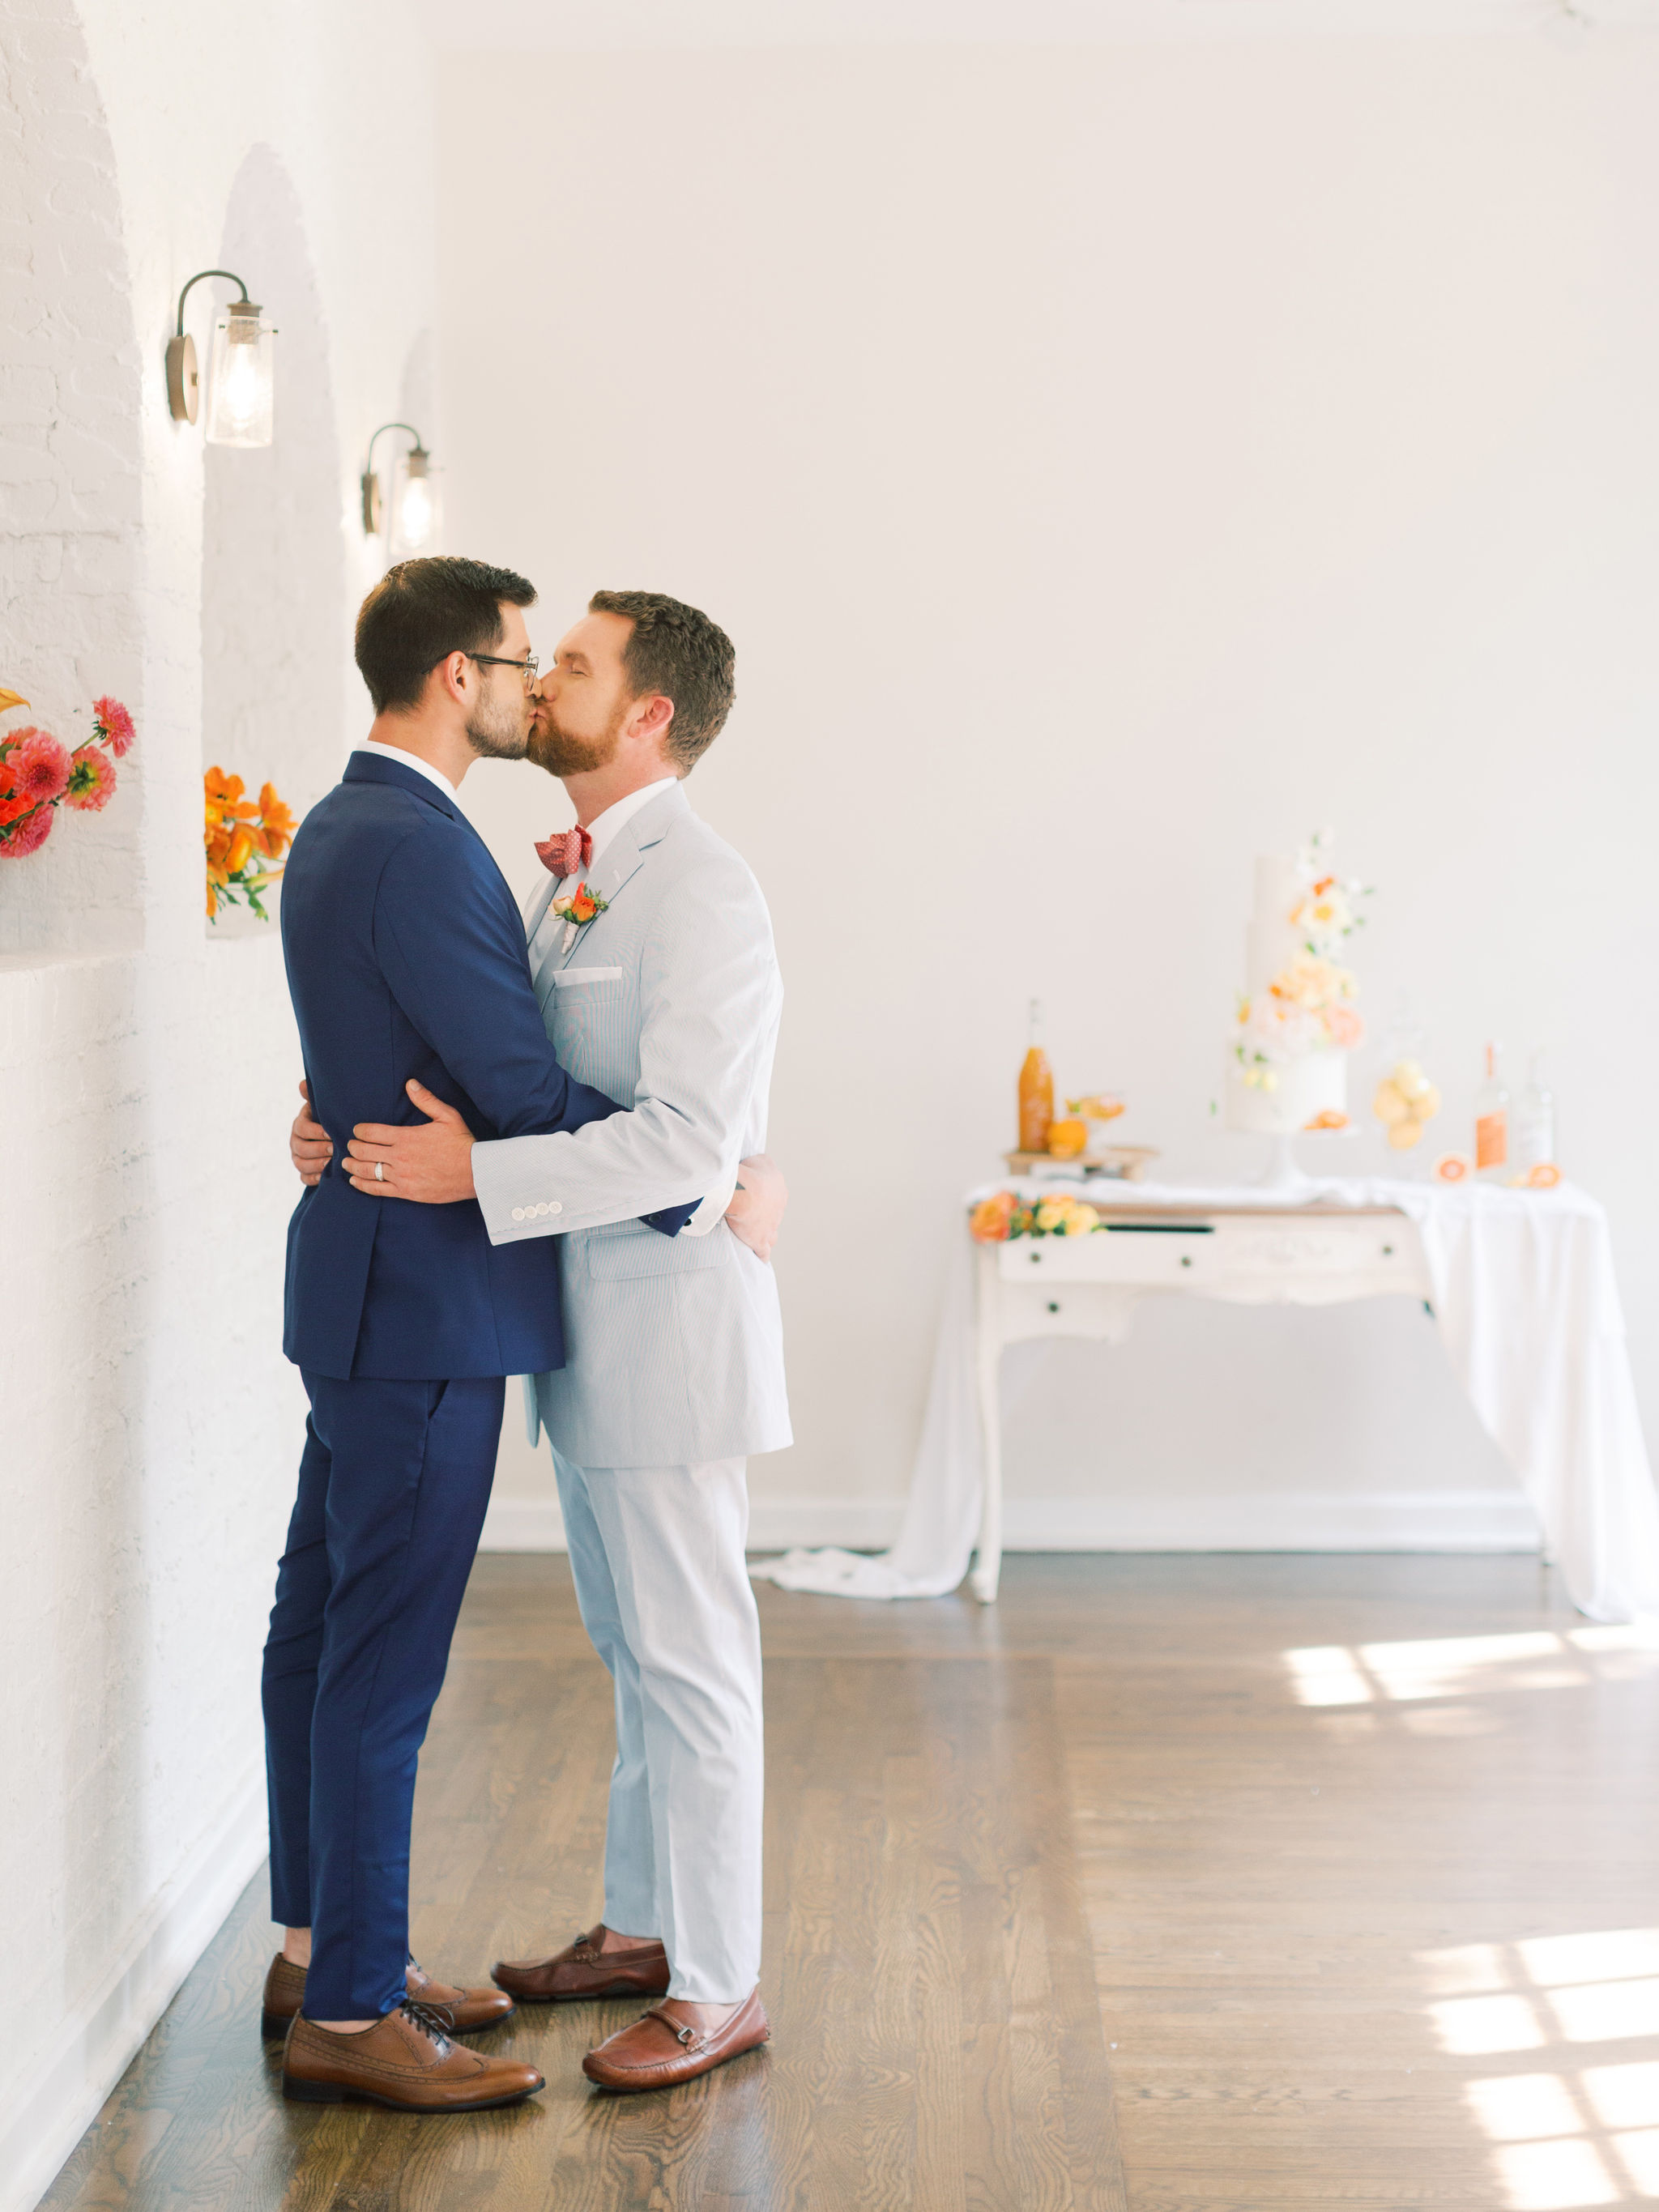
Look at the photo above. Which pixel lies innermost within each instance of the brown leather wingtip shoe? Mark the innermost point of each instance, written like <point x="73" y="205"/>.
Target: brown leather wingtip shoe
<point x="285" y="1992"/>
<point x="462" y="2012"/>
<point x="405" y="2061"/>
<point x="582" y="1970"/>
<point x="662" y="2049"/>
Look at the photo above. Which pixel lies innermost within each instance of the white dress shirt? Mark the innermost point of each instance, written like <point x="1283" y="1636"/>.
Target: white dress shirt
<point x="413" y="760"/>
<point x="602" y="828"/>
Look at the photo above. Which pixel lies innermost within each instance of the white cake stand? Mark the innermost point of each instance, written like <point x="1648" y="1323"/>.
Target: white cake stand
<point x="1284" y="1174"/>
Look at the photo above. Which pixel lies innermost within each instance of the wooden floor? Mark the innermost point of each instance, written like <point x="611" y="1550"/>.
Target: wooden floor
<point x="1172" y="1883"/>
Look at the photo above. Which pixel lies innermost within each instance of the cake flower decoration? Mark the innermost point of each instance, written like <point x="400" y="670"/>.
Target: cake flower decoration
<point x="1308" y="1004"/>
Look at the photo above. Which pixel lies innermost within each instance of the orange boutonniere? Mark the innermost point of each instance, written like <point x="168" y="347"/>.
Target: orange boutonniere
<point x="581" y="906"/>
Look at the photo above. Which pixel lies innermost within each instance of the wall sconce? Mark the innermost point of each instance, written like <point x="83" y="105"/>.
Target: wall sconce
<point x="414" y="506"/>
<point x="242" y="379"/>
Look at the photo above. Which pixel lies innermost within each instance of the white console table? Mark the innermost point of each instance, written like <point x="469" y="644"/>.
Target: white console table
<point x="1036" y="1286"/>
<point x="1522" y="1290"/>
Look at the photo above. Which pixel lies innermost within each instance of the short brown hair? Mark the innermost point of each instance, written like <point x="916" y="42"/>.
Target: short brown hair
<point x="422" y="611"/>
<point x="678" y="651"/>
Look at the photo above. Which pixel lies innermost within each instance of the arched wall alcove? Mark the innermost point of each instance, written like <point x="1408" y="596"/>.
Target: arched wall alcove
<point x="276" y="618"/>
<point x="68" y="541"/>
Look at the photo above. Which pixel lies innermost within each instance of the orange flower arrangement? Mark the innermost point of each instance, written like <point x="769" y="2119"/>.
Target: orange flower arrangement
<point x="241" y="836"/>
<point x="994" y="1220"/>
<point x="990" y="1220"/>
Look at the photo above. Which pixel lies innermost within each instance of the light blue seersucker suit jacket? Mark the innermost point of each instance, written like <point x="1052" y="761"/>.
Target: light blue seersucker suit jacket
<point x="668" y="1002"/>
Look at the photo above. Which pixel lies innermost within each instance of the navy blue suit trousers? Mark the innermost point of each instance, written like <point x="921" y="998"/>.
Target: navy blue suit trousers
<point x="393" y="1484"/>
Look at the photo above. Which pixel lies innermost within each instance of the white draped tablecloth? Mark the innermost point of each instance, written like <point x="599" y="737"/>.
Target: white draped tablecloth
<point x="1527" y="1307"/>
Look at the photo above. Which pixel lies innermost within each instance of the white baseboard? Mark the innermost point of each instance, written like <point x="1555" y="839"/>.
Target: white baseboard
<point x="52" y="2105"/>
<point x="1277" y="1521"/>
<point x="1249" y="1520"/>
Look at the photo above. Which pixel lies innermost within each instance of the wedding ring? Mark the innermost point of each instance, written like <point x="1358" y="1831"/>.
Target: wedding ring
<point x="379" y="1170"/>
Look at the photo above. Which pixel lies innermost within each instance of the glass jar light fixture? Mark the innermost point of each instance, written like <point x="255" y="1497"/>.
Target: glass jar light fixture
<point x="410" y="517"/>
<point x="241" y="381"/>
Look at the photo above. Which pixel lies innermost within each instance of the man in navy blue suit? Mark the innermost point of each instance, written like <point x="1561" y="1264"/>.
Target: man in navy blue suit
<point x="407" y="966"/>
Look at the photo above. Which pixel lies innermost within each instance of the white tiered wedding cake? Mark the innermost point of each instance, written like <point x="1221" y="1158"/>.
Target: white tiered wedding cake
<point x="1287" y="1067"/>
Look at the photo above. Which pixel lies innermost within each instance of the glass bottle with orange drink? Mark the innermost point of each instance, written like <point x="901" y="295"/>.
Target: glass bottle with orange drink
<point x="1036" y="1090"/>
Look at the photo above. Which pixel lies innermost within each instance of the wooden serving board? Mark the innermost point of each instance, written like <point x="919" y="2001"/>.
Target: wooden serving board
<point x="1116" y="1164"/>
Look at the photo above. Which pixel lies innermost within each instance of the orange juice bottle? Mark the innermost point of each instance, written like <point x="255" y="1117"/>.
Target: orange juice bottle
<point x="1036" y="1090"/>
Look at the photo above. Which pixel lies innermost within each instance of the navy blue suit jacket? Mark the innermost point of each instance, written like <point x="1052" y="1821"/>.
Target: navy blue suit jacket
<point x="406" y="957"/>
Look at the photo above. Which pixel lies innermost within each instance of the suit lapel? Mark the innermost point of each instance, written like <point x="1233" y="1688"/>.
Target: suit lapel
<point x="619" y="863"/>
<point x="539" y="907"/>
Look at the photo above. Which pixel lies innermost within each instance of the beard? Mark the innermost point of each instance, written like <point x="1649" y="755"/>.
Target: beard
<point x="497" y="731"/>
<point x="561" y="752"/>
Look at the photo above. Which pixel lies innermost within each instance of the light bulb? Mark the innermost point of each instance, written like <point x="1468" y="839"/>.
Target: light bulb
<point x="414" y="506"/>
<point x="240" y="402"/>
<point x="240" y="398"/>
<point x="417" y="517"/>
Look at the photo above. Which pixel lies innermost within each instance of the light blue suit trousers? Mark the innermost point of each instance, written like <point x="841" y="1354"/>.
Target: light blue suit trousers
<point x="656" y="1554"/>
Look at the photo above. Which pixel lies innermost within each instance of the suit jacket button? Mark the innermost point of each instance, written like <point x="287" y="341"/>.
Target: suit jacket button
<point x="553" y="1206"/>
<point x="518" y="1214"/>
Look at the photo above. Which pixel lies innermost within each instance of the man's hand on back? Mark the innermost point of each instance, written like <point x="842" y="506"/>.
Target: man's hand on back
<point x="756" y="1212"/>
<point x="431" y="1162"/>
<point x="309" y="1146"/>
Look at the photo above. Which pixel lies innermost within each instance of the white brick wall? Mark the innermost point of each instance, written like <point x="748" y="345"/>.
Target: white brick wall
<point x="69" y="469"/>
<point x="152" y="1428"/>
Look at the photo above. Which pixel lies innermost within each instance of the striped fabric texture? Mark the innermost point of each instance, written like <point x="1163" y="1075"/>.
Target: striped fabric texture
<point x="669" y="998"/>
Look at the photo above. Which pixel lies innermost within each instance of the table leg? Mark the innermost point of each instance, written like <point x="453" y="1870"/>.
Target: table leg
<point x="987" y="1569"/>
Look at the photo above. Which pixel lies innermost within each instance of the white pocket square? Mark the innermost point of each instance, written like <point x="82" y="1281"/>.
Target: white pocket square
<point x="564" y="976"/>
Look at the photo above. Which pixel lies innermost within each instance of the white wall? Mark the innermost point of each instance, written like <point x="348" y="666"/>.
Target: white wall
<point x="152" y="1428"/>
<point x="1111" y="463"/>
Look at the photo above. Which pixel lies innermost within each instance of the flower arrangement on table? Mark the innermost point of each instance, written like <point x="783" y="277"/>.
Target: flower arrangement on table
<point x="996" y="1220"/>
<point x="1308" y="1005"/>
<point x="242" y="837"/>
<point x="39" y="774"/>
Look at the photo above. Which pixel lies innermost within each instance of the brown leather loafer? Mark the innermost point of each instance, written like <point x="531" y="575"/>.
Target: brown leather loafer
<point x="581" y="1970"/>
<point x="662" y="2049"/>
<point x="462" y="2012"/>
<point x="405" y="2061"/>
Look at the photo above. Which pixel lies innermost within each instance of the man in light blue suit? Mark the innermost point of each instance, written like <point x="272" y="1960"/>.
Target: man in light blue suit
<point x="651" y="951"/>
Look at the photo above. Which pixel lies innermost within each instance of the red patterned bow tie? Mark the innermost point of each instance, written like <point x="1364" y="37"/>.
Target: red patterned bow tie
<point x="563" y="854"/>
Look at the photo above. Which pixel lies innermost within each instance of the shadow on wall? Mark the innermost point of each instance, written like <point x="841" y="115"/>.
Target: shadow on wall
<point x="68" y="545"/>
<point x="275" y="616"/>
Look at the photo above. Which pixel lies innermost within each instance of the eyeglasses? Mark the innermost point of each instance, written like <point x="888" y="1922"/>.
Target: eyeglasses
<point x="495" y="660"/>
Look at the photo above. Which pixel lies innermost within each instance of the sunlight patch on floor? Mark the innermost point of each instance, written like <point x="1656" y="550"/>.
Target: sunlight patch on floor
<point x="1457" y="1666"/>
<point x="1561" y="2140"/>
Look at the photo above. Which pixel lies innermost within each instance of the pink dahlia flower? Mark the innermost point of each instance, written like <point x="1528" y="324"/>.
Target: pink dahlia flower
<point x="112" y="722"/>
<point x="37" y="766"/>
<point x="91" y="780"/>
<point x="29" y="835"/>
